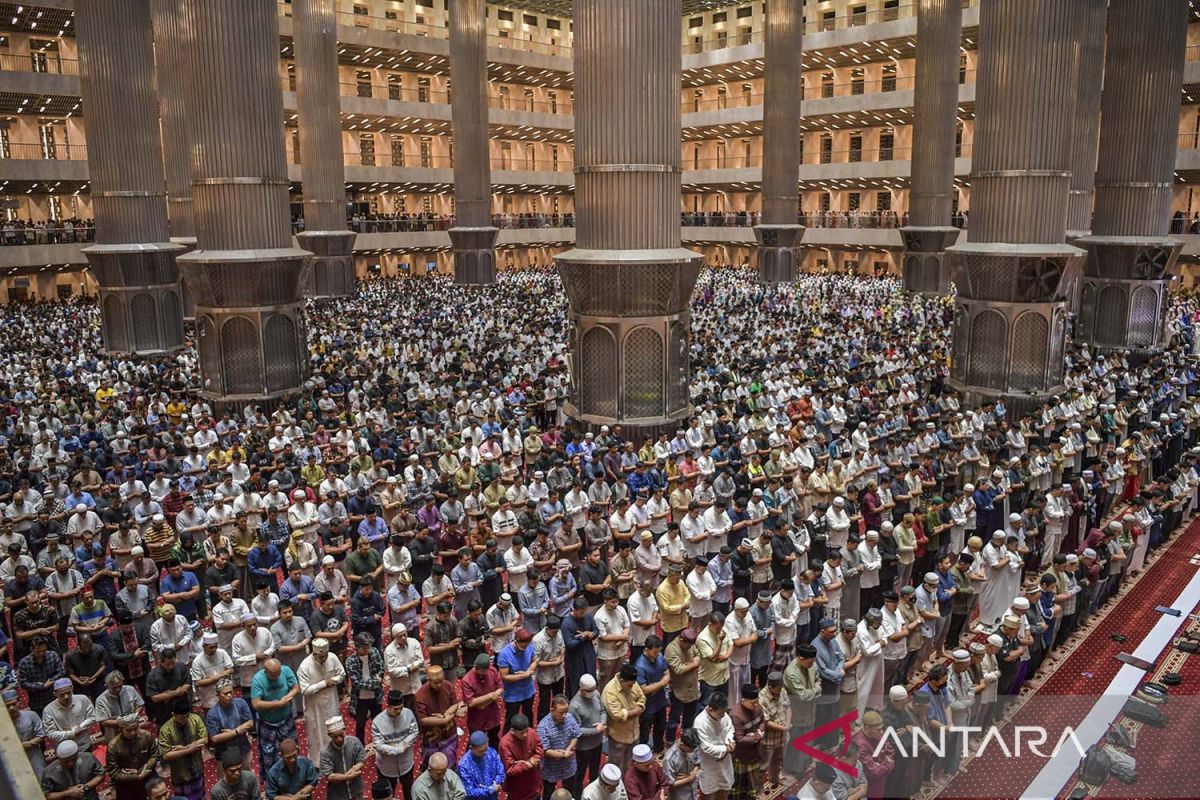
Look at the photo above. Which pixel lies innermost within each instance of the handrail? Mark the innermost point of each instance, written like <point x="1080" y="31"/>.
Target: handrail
<point x="43" y="61"/>
<point x="43" y="151"/>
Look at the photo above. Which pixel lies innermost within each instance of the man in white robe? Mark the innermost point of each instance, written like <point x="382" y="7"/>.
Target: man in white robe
<point x="715" y="729"/>
<point x="870" y="668"/>
<point x="994" y="597"/>
<point x="319" y="676"/>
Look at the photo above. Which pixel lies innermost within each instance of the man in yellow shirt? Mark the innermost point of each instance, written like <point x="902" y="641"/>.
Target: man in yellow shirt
<point x="673" y="598"/>
<point x="714" y="647"/>
<point x="624" y="701"/>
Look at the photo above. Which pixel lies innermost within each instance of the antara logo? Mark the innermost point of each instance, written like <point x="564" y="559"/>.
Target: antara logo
<point x="845" y="724"/>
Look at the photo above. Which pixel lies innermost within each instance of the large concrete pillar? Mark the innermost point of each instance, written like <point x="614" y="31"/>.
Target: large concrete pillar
<point x="1011" y="319"/>
<point x="248" y="279"/>
<point x="319" y="105"/>
<point x="176" y="143"/>
<point x="133" y="260"/>
<point x="779" y="234"/>
<point x="473" y="237"/>
<point x="935" y="117"/>
<point x="1090" y="17"/>
<point x="628" y="279"/>
<point x="1123" y="299"/>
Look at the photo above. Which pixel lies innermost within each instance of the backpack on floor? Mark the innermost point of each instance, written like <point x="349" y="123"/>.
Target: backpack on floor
<point x="1097" y="766"/>
<point x="1123" y="766"/>
<point x="1120" y="737"/>
<point x="1145" y="713"/>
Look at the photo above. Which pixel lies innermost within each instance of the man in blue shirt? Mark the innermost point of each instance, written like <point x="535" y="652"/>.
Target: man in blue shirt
<point x="291" y="773"/>
<point x="481" y="771"/>
<point x="831" y="666"/>
<point x="517" y="665"/>
<point x="180" y="588"/>
<point x="263" y="560"/>
<point x="653" y="676"/>
<point x="228" y="722"/>
<point x="299" y="589"/>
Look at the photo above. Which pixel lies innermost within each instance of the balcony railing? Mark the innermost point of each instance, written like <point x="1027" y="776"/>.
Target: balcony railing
<point x="418" y="223"/>
<point x="22" y="233"/>
<point x="43" y="151"/>
<point x="39" y="61"/>
<point x="385" y="90"/>
<point x="384" y="157"/>
<point x="391" y="22"/>
<point x="739" y="36"/>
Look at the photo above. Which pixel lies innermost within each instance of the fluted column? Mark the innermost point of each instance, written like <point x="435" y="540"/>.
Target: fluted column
<point x="1090" y="18"/>
<point x="628" y="279"/>
<point x="935" y="112"/>
<point x="473" y="237"/>
<point x="779" y="234"/>
<point x="249" y="281"/>
<point x="319" y="105"/>
<point x="176" y="144"/>
<point x="1124" y="298"/>
<point x="1010" y="324"/>
<point x="133" y="260"/>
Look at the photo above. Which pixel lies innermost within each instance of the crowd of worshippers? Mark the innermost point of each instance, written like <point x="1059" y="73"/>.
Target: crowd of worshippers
<point x="421" y="549"/>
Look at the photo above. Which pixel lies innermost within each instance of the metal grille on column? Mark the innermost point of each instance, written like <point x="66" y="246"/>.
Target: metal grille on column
<point x="318" y="102"/>
<point x="779" y="234"/>
<point x="169" y="45"/>
<point x="472" y="237"/>
<point x="1085" y="143"/>
<point x="133" y="261"/>
<point x="1130" y="255"/>
<point x="935" y="117"/>
<point x="1017" y="263"/>
<point x="628" y="279"/>
<point x="249" y="281"/>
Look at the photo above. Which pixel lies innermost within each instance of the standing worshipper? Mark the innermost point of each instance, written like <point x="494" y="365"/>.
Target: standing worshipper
<point x="994" y="596"/>
<point x="869" y="634"/>
<point x="521" y="752"/>
<point x="645" y="779"/>
<point x="319" y="676"/>
<point x="681" y="767"/>
<point x="30" y="731"/>
<point x="517" y="666"/>
<point x="292" y="775"/>
<point x="852" y="574"/>
<point x="131" y="757"/>
<point x="749" y="730"/>
<point x="437" y="709"/>
<point x="579" y="634"/>
<point x="394" y="731"/>
<point x="69" y="717"/>
<point x="343" y="759"/>
<point x="847" y="642"/>
<point x="181" y="743"/>
<point x="777" y="720"/>
<point x="481" y="770"/>
<point x="717" y="744"/>
<point x="802" y="682"/>
<point x="624" y="702"/>
<point x="653" y="676"/>
<point x="588" y="709"/>
<point x="559" y="732"/>
<point x="272" y="691"/>
<point x="364" y="668"/>
<point x="229" y="722"/>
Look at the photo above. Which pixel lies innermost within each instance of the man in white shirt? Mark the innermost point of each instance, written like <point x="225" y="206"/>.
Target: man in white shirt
<point x="613" y="623"/>
<point x="702" y="587"/>
<point x="692" y="531"/>
<point x="717" y="526"/>
<point x="403" y="660"/>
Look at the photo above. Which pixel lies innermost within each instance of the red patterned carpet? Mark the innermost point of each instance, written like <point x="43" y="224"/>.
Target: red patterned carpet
<point x="1074" y="681"/>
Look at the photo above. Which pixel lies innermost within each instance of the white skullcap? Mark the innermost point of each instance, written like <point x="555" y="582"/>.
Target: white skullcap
<point x="1014" y="517"/>
<point x="839" y="501"/>
<point x="80" y="508"/>
<point x="159" y="518"/>
<point x="961" y="655"/>
<point x="66" y="748"/>
<point x="996" y="640"/>
<point x="320" y="644"/>
<point x="334" y="724"/>
<point x="399" y="630"/>
<point x="611" y="774"/>
<point x="1021" y="603"/>
<point x="327" y="560"/>
<point x="897" y="693"/>
<point x="136" y="550"/>
<point x="970" y="487"/>
<point x="587" y="682"/>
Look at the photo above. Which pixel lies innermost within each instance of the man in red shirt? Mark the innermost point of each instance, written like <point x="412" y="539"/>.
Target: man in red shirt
<point x="645" y="779"/>
<point x="521" y="751"/>
<point x="482" y="690"/>
<point x="438" y="709"/>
